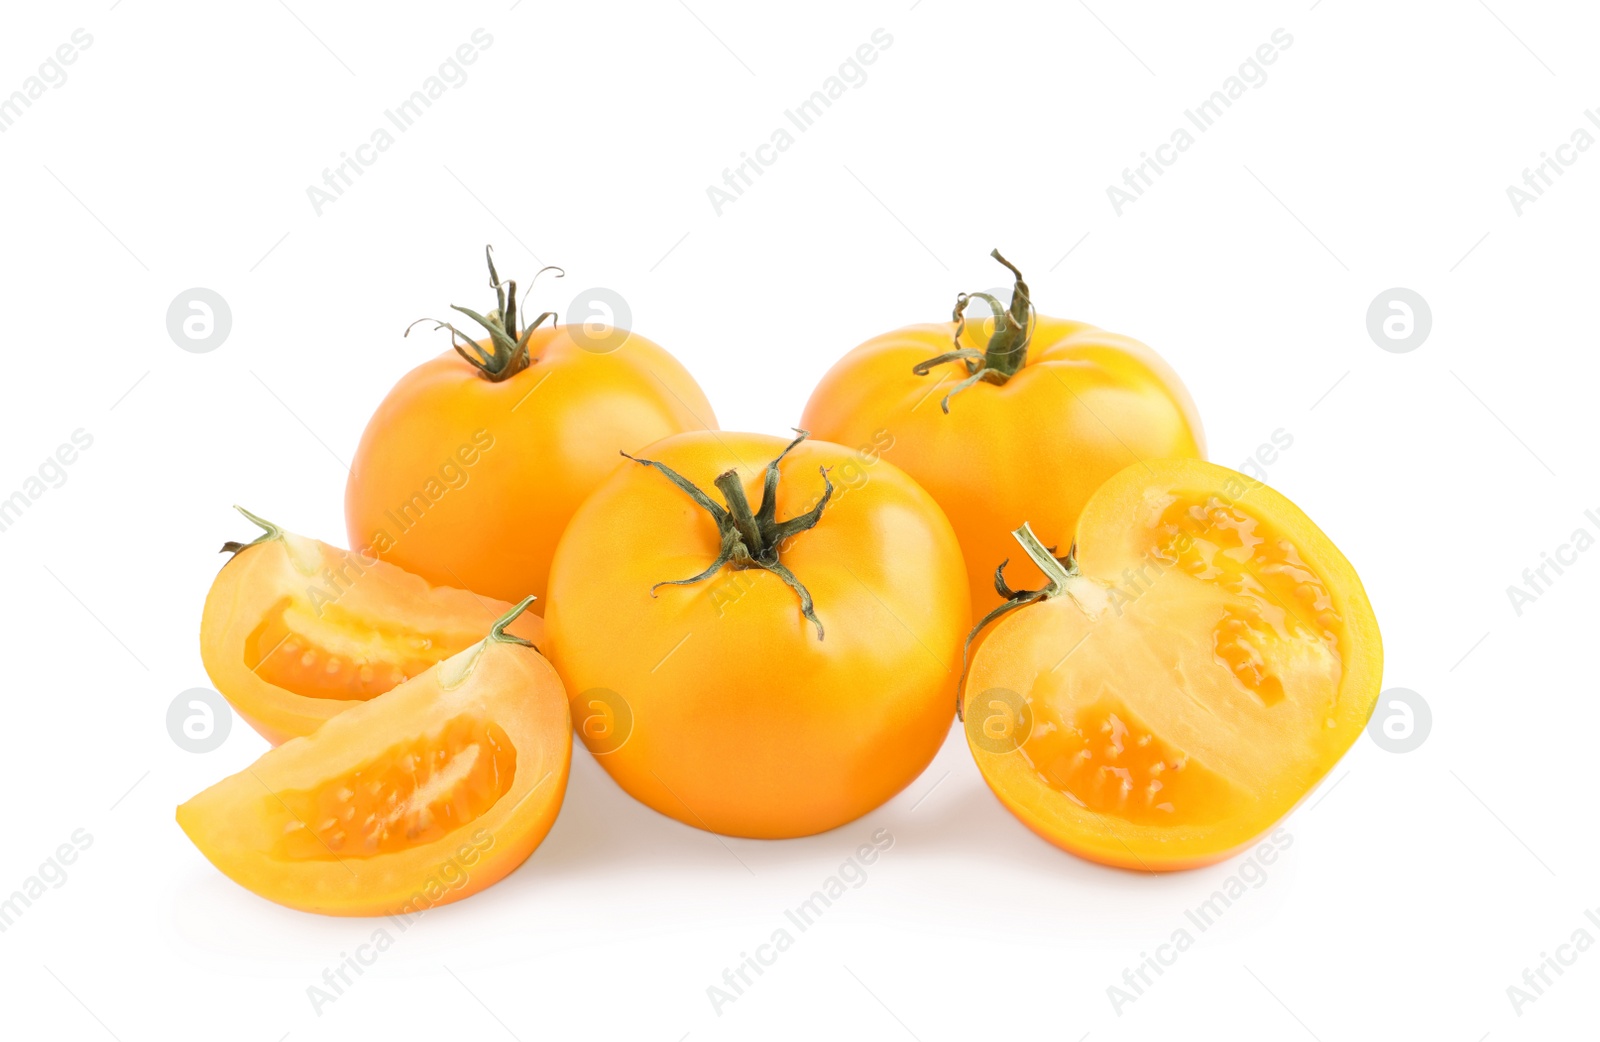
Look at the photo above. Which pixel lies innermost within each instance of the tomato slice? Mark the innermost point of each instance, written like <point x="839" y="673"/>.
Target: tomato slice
<point x="1204" y="662"/>
<point x="414" y="799"/>
<point x="296" y="631"/>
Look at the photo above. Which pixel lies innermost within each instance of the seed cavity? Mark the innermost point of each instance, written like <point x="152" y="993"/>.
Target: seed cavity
<point x="335" y="653"/>
<point x="411" y="794"/>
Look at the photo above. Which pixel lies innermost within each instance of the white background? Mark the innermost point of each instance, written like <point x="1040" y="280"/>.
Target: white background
<point x="1377" y="154"/>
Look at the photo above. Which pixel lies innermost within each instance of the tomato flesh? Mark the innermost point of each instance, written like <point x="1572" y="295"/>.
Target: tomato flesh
<point x="339" y="656"/>
<point x="416" y="798"/>
<point x="296" y="631"/>
<point x="1213" y="658"/>
<point x="408" y="795"/>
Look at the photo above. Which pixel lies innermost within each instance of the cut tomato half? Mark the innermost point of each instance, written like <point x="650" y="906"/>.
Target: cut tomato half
<point x="296" y="631"/>
<point x="414" y="799"/>
<point x="1187" y="677"/>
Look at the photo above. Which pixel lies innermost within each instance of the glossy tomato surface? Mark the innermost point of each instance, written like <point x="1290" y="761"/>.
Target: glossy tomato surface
<point x="1085" y="404"/>
<point x="469" y="481"/>
<point x="717" y="702"/>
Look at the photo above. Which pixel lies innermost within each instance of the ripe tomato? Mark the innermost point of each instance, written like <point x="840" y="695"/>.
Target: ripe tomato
<point x="1023" y="429"/>
<point x="296" y="631"/>
<point x="1178" y="687"/>
<point x="803" y="675"/>
<point x="416" y="799"/>
<point x="472" y="465"/>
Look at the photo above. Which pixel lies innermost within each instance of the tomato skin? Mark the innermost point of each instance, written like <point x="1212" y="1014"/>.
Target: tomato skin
<point x="504" y="698"/>
<point x="366" y="614"/>
<point x="1211" y="661"/>
<point x="731" y="714"/>
<point x="469" y="482"/>
<point x="1086" y="404"/>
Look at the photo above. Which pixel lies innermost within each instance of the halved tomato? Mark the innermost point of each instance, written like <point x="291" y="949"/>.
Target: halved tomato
<point x="296" y="631"/>
<point x="416" y="799"/>
<point x="1181" y="682"/>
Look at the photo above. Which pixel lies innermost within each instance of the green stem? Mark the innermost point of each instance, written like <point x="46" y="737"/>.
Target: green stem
<point x="751" y="539"/>
<point x="497" y="632"/>
<point x="507" y="354"/>
<point x="269" y="532"/>
<point x="1007" y="350"/>
<point x="1058" y="573"/>
<point x="1058" y="570"/>
<point x="744" y="522"/>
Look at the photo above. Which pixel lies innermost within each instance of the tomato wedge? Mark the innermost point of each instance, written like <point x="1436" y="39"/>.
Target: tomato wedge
<point x="418" y="798"/>
<point x="296" y="631"/>
<point x="1183" y="681"/>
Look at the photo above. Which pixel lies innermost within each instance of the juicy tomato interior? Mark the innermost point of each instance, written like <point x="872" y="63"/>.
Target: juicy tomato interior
<point x="338" y="654"/>
<point x="1214" y="658"/>
<point x="410" y="794"/>
<point x="421" y="797"/>
<point x="296" y="631"/>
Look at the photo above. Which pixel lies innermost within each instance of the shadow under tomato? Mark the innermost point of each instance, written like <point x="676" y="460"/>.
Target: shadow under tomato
<point x="947" y="815"/>
<point x="603" y="830"/>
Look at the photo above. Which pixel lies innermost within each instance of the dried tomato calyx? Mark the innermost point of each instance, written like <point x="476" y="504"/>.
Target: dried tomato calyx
<point x="751" y="539"/>
<point x="1007" y="350"/>
<point x="508" y="346"/>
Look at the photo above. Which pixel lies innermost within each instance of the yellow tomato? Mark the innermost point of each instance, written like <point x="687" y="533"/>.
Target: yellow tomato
<point x="419" y="797"/>
<point x="472" y="465"/>
<point x="799" y="666"/>
<point x="1176" y="689"/>
<point x="295" y="631"/>
<point x="1022" y="421"/>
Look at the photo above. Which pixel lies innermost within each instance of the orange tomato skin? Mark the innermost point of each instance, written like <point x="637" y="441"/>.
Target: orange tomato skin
<point x="716" y="703"/>
<point x="1086" y="404"/>
<point x="254" y="826"/>
<point x="469" y="482"/>
<point x="359" y="614"/>
<point x="1170" y="720"/>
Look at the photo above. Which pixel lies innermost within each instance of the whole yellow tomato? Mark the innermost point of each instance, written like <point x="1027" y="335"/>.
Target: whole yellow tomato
<point x="1018" y="418"/>
<point x="765" y="672"/>
<point x="472" y="465"/>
